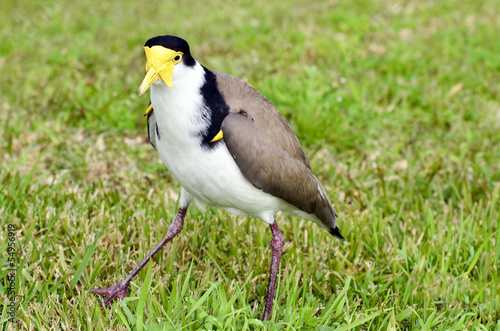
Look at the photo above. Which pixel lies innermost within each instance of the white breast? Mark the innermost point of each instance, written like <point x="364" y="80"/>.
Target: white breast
<point x="210" y="175"/>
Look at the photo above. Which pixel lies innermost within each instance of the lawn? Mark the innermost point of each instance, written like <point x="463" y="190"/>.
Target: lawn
<point x="397" y="106"/>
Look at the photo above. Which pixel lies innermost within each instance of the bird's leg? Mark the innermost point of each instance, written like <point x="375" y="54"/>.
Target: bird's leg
<point x="120" y="289"/>
<point x="277" y="244"/>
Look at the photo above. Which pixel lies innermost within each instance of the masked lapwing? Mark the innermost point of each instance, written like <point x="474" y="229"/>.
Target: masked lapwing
<point x="228" y="147"/>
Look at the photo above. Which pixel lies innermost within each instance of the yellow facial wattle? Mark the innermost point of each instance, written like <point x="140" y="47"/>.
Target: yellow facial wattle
<point x="160" y="64"/>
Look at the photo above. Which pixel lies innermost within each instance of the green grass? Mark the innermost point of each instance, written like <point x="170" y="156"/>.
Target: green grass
<point x="397" y="106"/>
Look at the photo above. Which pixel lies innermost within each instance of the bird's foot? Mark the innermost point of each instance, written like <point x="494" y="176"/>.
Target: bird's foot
<point x="119" y="290"/>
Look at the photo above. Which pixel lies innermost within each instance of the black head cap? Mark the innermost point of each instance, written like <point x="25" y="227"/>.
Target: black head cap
<point x="174" y="43"/>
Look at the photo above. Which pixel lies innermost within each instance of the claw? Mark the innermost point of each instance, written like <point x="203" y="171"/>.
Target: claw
<point x="119" y="290"/>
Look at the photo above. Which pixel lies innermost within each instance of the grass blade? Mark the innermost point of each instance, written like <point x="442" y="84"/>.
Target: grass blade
<point x="142" y="298"/>
<point x="85" y="261"/>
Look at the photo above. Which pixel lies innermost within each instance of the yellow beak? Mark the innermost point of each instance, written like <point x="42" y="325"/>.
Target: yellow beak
<point x="159" y="65"/>
<point x="151" y="76"/>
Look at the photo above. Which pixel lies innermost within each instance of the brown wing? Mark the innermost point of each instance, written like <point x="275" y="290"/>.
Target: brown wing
<point x="267" y="151"/>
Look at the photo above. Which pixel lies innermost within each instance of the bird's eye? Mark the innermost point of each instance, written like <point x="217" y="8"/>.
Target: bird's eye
<point x="177" y="58"/>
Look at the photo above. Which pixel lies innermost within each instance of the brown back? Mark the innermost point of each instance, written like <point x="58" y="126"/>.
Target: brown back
<point x="267" y="151"/>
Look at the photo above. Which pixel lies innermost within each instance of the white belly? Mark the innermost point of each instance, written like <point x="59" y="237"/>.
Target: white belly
<point x="213" y="178"/>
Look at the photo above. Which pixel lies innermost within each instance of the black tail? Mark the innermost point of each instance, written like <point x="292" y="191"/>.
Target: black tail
<point x="336" y="233"/>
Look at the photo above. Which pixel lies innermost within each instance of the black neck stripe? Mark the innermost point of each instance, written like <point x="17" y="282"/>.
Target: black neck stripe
<point x="212" y="98"/>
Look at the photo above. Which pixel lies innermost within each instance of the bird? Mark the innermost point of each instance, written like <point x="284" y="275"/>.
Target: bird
<point x="229" y="147"/>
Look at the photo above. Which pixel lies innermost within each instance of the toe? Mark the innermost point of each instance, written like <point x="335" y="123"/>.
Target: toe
<point x="106" y="290"/>
<point x="119" y="290"/>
